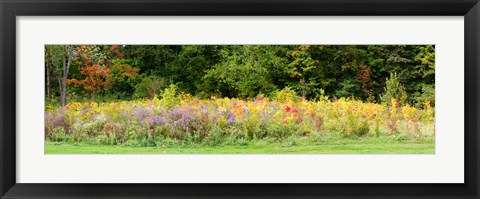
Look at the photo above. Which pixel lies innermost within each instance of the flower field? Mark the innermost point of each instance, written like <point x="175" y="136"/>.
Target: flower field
<point x="239" y="99"/>
<point x="222" y="121"/>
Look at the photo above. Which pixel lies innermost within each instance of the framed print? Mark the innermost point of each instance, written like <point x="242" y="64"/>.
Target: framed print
<point x="189" y="99"/>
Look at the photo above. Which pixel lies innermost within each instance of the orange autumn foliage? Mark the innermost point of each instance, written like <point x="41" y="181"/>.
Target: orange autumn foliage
<point x="98" y="70"/>
<point x="95" y="78"/>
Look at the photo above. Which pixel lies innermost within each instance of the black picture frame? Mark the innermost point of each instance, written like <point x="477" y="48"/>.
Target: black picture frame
<point x="9" y="9"/>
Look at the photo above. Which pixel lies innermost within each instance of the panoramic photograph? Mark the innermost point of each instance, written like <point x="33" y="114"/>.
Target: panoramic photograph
<point x="239" y="99"/>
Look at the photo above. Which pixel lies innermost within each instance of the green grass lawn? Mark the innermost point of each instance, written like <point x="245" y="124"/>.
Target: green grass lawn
<point x="336" y="146"/>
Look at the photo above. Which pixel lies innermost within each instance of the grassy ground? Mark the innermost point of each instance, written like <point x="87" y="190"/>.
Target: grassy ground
<point x="336" y="146"/>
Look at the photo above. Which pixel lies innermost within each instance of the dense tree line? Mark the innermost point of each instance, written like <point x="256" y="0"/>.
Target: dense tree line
<point x="368" y="72"/>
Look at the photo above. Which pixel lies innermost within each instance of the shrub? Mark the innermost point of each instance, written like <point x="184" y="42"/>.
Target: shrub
<point x="114" y="132"/>
<point x="149" y="86"/>
<point x="215" y="137"/>
<point x="427" y="96"/>
<point x="58" y="134"/>
<point x="285" y="94"/>
<point x="278" y="131"/>
<point x="394" y="89"/>
<point x="356" y="126"/>
<point x="169" y="98"/>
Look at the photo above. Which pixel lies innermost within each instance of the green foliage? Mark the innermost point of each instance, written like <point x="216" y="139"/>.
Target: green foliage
<point x="58" y="134"/>
<point x="169" y="97"/>
<point x="246" y="71"/>
<point x="303" y="68"/>
<point x="151" y="59"/>
<point x="426" y="61"/>
<point x="394" y="89"/>
<point x="216" y="137"/>
<point x="350" y="125"/>
<point x="428" y="95"/>
<point x="123" y="78"/>
<point x="347" y="89"/>
<point x="285" y="94"/>
<point x="149" y="86"/>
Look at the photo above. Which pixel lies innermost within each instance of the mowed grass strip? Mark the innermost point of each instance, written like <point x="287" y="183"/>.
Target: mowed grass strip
<point x="365" y="146"/>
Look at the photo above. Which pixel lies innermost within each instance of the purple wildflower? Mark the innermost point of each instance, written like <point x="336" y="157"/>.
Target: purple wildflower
<point x="142" y="114"/>
<point x="175" y="111"/>
<point x="182" y="117"/>
<point x="157" y="120"/>
<point x="231" y="117"/>
<point x="59" y="121"/>
<point x="183" y="122"/>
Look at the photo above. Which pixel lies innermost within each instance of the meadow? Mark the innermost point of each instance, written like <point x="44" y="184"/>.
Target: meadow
<point x="239" y="99"/>
<point x="280" y="124"/>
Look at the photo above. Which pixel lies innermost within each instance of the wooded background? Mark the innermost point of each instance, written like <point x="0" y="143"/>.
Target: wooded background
<point x="372" y="73"/>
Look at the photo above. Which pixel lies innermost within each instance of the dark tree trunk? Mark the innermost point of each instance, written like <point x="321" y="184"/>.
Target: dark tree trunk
<point x="61" y="91"/>
<point x="62" y="73"/>
<point x="66" y="67"/>
<point x="48" y="71"/>
<point x="63" y="94"/>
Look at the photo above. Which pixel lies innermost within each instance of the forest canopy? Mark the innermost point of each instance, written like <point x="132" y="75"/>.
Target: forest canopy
<point x="371" y="73"/>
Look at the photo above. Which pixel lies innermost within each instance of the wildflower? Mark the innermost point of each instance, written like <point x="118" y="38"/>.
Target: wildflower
<point x="142" y="113"/>
<point x="59" y="120"/>
<point x="231" y="118"/>
<point x="287" y="109"/>
<point x="222" y="109"/>
<point x="295" y="111"/>
<point x="183" y="122"/>
<point x="157" y="120"/>
<point x="84" y="110"/>
<point x="175" y="111"/>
